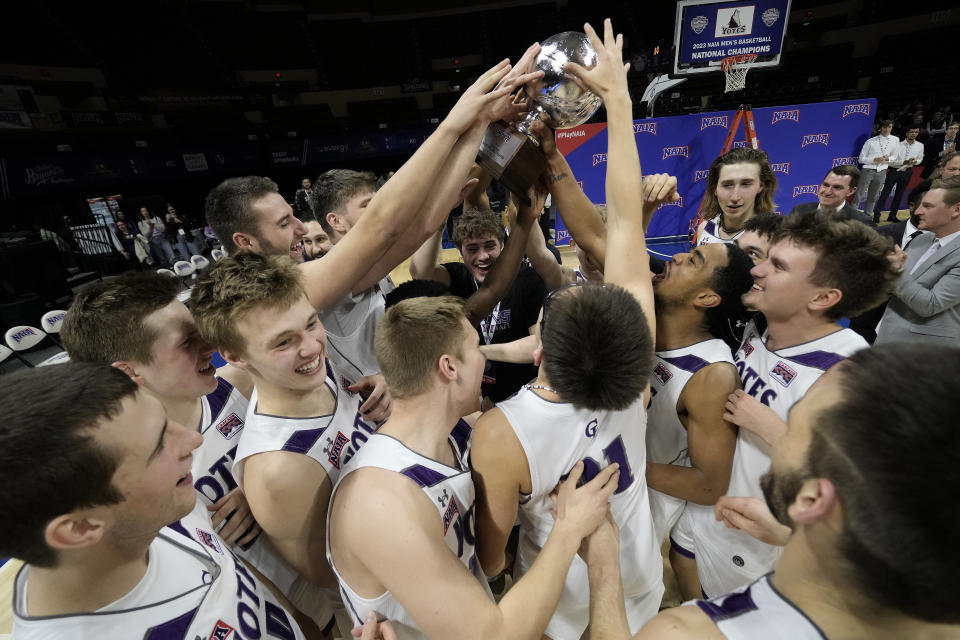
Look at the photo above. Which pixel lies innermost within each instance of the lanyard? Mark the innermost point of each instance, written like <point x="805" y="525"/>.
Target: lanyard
<point x="488" y="326"/>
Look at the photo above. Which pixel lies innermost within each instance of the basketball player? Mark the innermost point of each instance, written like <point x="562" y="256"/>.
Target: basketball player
<point x="758" y="233"/>
<point x="100" y="473"/>
<point x="401" y="525"/>
<point x="136" y="324"/>
<point x="740" y="184"/>
<point x="248" y="214"/>
<point x="821" y="267"/>
<point x="689" y="445"/>
<point x="588" y="400"/>
<point x="859" y="477"/>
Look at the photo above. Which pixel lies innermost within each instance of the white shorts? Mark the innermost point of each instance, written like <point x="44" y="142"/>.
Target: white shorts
<point x="665" y="511"/>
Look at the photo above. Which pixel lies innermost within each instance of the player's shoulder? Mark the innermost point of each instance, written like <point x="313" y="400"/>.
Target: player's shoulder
<point x="680" y="623"/>
<point x="494" y="440"/>
<point x="718" y="375"/>
<point x="279" y="472"/>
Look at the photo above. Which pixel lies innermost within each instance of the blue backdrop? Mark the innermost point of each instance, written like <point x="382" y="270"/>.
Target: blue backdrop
<point x="803" y="142"/>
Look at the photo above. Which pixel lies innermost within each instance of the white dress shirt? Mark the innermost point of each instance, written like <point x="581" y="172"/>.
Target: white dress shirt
<point x="907" y="151"/>
<point x="878" y="146"/>
<point x="908" y="232"/>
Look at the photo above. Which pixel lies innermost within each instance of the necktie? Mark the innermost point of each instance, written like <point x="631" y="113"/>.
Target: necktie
<point x="926" y="256"/>
<point x="911" y="238"/>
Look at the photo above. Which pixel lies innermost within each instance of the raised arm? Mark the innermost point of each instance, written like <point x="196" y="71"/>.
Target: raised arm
<point x="424" y="263"/>
<point x="626" y="262"/>
<point x="395" y="206"/>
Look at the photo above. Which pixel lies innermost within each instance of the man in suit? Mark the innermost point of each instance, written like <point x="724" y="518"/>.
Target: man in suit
<point x="938" y="146"/>
<point x="838" y="185"/>
<point x="926" y="302"/>
<point x="903" y="234"/>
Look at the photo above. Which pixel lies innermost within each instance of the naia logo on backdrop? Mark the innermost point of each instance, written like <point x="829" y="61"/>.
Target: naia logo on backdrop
<point x="645" y="127"/>
<point x="598" y="158"/>
<point x="673" y="152"/>
<point x="780" y="167"/>
<point x="790" y="114"/>
<point x="839" y="162"/>
<point x="576" y="133"/>
<point x="862" y="108"/>
<point x="714" y="121"/>
<point x="740" y="144"/>
<point x="700" y="174"/>
<point x="805" y="189"/>
<point x="678" y="203"/>
<point x="815" y="138"/>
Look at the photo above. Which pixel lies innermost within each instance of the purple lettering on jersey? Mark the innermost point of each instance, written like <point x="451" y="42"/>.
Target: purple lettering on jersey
<point x="278" y="623"/>
<point x="302" y="441"/>
<point x="175" y="629"/>
<point x="822" y="360"/>
<point x="461" y="434"/>
<point x="732" y="606"/>
<point x="689" y="363"/>
<point x="423" y="476"/>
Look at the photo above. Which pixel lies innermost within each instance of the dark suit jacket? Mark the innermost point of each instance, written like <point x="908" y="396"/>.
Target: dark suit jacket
<point x="931" y="152"/>
<point x="926" y="304"/>
<point x="848" y="210"/>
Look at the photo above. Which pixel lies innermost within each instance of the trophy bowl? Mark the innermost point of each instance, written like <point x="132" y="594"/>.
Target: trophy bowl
<point x="511" y="153"/>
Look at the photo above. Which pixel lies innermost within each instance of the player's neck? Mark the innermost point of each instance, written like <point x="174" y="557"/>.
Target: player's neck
<point x="186" y="411"/>
<point x="678" y="327"/>
<point x="797" y="329"/>
<point x="85" y="582"/>
<point x="423" y="422"/>
<point x="277" y="400"/>
<point x="733" y="222"/>
<point x="812" y="579"/>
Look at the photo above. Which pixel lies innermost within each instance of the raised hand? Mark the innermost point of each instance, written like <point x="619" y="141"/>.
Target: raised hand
<point x="478" y="98"/>
<point x="609" y="76"/>
<point x="548" y="142"/>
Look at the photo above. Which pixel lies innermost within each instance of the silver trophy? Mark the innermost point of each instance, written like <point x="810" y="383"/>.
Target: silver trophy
<point x="512" y="154"/>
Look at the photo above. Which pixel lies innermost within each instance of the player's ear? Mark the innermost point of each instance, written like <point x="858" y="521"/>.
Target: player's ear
<point x="245" y="242"/>
<point x="706" y="299"/>
<point x="234" y="358"/>
<point x="78" y="530"/>
<point x="447" y="368"/>
<point x="538" y="354"/>
<point x="131" y="370"/>
<point x="815" y="502"/>
<point x="825" y="299"/>
<point x="333" y="219"/>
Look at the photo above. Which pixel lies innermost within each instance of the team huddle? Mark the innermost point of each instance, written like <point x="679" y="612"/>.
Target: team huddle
<point x="373" y="459"/>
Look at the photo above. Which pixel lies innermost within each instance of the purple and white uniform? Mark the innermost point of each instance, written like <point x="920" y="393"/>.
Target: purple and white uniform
<point x="727" y="558"/>
<point x="451" y="491"/>
<point x="759" y="611"/>
<point x="194" y="587"/>
<point x="710" y="234"/>
<point x="350" y="323"/>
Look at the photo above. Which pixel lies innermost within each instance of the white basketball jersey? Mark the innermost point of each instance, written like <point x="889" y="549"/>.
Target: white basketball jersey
<point x="451" y="491"/>
<point x="194" y="588"/>
<point x="759" y="611"/>
<point x="710" y="233"/>
<point x="222" y="422"/>
<point x="350" y="323"/>
<point x="331" y="440"/>
<point x="555" y="436"/>
<point x="666" y="435"/>
<point x="728" y="558"/>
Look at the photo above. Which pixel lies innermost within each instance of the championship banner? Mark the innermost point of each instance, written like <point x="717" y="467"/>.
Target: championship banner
<point x="803" y="142"/>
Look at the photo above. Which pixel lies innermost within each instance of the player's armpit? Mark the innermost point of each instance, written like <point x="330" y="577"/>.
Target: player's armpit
<point x="288" y="494"/>
<point x="500" y="473"/>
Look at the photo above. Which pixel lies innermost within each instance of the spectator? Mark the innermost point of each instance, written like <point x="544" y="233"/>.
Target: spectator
<point x="950" y="165"/>
<point x="910" y="154"/>
<point x="302" y="201"/>
<point x="939" y="146"/>
<point x="937" y="124"/>
<point x="837" y="187"/>
<point x="178" y="233"/>
<point x="875" y="156"/>
<point x="153" y="228"/>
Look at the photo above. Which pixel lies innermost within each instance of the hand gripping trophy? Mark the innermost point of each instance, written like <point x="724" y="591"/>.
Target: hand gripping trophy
<point x="511" y="154"/>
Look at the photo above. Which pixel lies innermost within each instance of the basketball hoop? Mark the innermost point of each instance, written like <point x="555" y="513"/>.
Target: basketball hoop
<point x="735" y="69"/>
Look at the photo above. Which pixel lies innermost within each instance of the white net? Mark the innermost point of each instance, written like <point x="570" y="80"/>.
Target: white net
<point x="735" y="69"/>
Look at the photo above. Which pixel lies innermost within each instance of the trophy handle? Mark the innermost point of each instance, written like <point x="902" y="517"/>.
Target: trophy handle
<point x="535" y="114"/>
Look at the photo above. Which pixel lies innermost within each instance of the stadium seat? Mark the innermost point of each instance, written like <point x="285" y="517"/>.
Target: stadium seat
<point x="23" y="338"/>
<point x="51" y="323"/>
<point x="199" y="262"/>
<point x="217" y="255"/>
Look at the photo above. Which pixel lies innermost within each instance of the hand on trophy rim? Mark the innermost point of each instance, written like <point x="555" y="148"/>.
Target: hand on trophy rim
<point x="525" y="65"/>
<point x="547" y="136"/>
<point x="508" y="108"/>
<point x="609" y="76"/>
<point x="478" y="96"/>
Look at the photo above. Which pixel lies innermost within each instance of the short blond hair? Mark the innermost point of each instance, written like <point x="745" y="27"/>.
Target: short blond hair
<point x="237" y="285"/>
<point x="412" y="336"/>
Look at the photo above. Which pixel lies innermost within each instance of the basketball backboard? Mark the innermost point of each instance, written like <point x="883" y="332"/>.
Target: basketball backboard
<point x="707" y="31"/>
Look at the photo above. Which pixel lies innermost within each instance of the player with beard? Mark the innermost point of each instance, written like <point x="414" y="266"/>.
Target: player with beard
<point x="740" y="183"/>
<point x="689" y="445"/>
<point x="860" y="478"/>
<point x="97" y="479"/>
<point x="821" y="267"/>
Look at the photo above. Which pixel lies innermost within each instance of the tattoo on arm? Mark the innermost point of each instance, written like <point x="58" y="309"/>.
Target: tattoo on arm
<point x="553" y="179"/>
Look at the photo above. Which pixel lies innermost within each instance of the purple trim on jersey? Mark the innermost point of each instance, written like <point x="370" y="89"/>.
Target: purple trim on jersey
<point x="330" y="373"/>
<point x="686" y="553"/>
<point x="689" y="363"/>
<point x="176" y="526"/>
<point x="822" y="360"/>
<point x="302" y="441"/>
<point x="461" y="435"/>
<point x="175" y="629"/>
<point x="733" y="605"/>
<point x="217" y="399"/>
<point x="423" y="476"/>
<point x="710" y="228"/>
